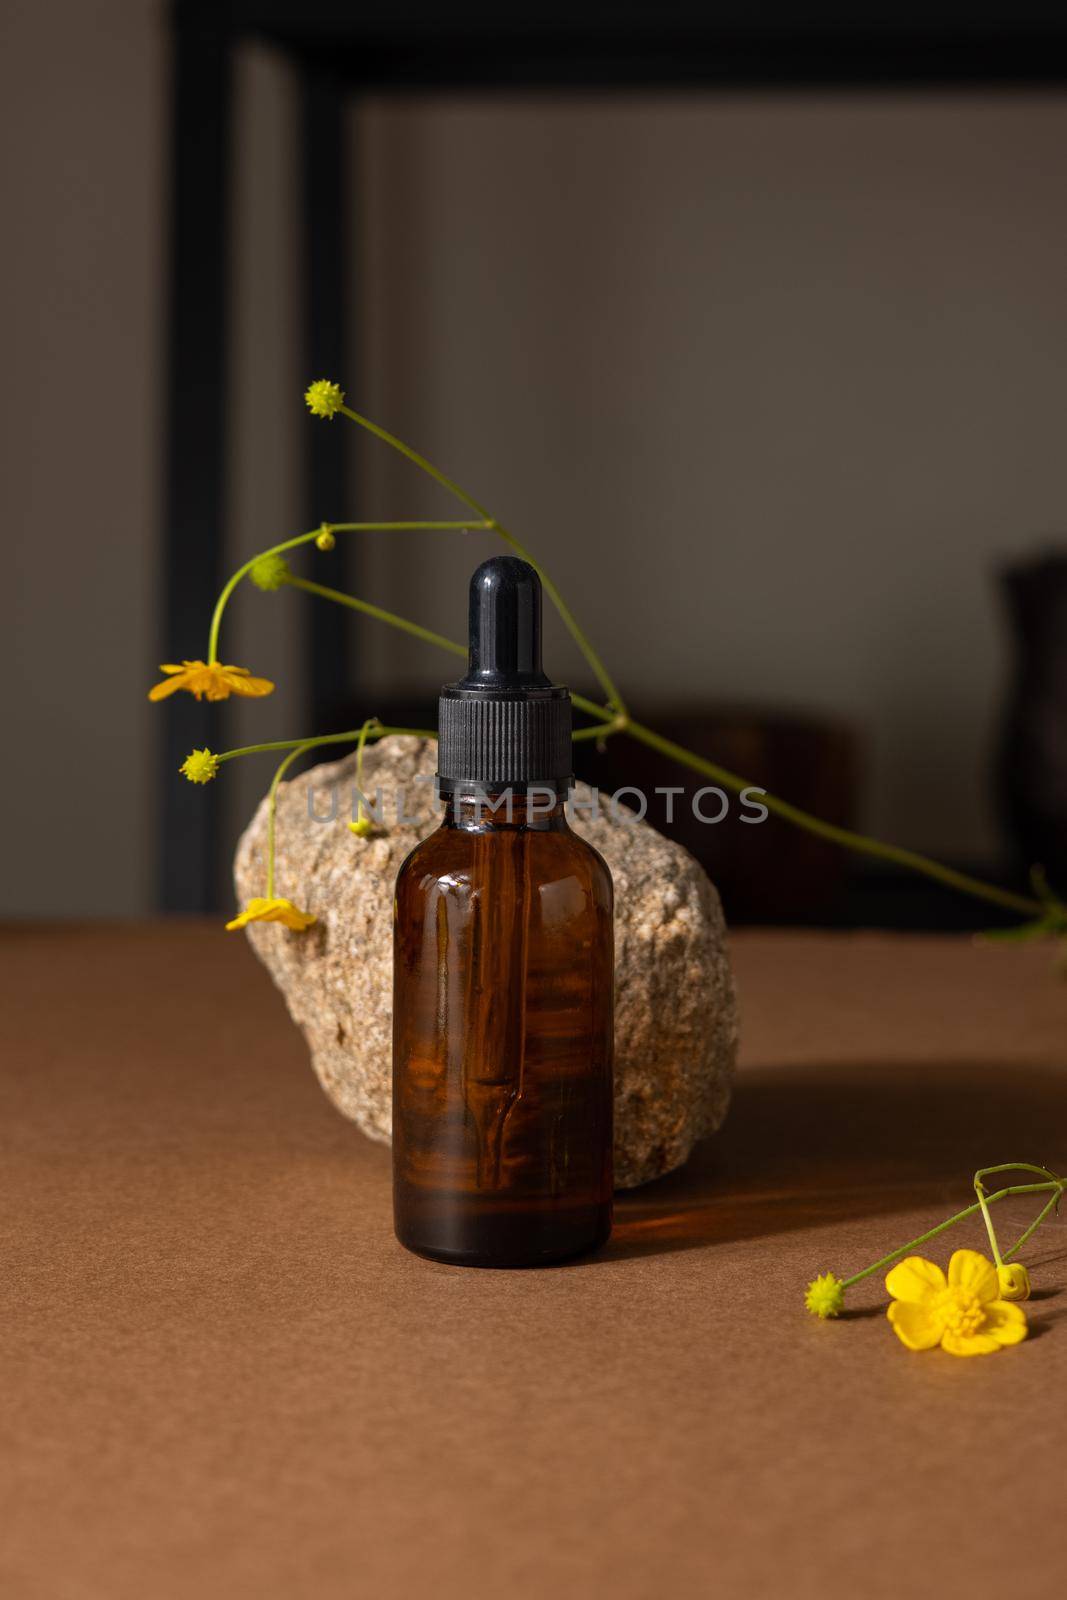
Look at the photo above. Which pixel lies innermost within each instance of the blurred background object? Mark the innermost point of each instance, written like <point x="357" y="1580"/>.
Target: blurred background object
<point x="757" y="325"/>
<point x="766" y="871"/>
<point x="1033" y="772"/>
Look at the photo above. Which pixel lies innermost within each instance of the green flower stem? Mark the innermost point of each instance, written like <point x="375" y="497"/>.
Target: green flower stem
<point x="348" y="737"/>
<point x="845" y="837"/>
<point x="988" y="1220"/>
<point x="364" y="732"/>
<point x="1029" y="1232"/>
<point x="600" y="672"/>
<point x="950" y="1222"/>
<point x="272" y="808"/>
<point x="371" y="729"/>
<point x="369" y="610"/>
<point x="306" y="538"/>
<point x="428" y="636"/>
<point x="1017" y="1166"/>
<point x="1014" y="1166"/>
<point x="602" y="713"/>
<point x="620" y="722"/>
<point x="603" y="730"/>
<point x="614" y="717"/>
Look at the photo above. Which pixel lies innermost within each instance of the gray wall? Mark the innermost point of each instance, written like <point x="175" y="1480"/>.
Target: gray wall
<point x="81" y="136"/>
<point x="770" y="384"/>
<point x="84" y="125"/>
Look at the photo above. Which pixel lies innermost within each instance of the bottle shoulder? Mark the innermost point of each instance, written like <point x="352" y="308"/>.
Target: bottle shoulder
<point x="592" y="854"/>
<point x="464" y="856"/>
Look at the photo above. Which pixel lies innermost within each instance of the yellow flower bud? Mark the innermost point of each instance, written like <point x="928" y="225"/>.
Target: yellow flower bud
<point x="324" y="398"/>
<point x="200" y="767"/>
<point x="361" y="828"/>
<point x="1014" y="1281"/>
<point x="325" y="540"/>
<point x="825" y="1296"/>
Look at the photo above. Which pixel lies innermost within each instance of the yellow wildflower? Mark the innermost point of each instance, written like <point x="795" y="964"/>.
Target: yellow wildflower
<point x="962" y="1313"/>
<point x="324" y="398"/>
<point x="270" y="572"/>
<point x="1014" y="1281"/>
<point x="825" y="1296"/>
<point x="360" y="828"/>
<point x="325" y="539"/>
<point x="211" y="681"/>
<point x="200" y="767"/>
<point x="274" y="910"/>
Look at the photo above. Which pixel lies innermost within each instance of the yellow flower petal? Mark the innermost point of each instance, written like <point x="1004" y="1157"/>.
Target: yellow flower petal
<point x="1005" y="1322"/>
<point x="210" y="680"/>
<point x="168" y="686"/>
<point x="914" y="1280"/>
<point x="971" y="1271"/>
<point x="261" y="909"/>
<point x="969" y="1344"/>
<point x="914" y="1325"/>
<point x="245" y="684"/>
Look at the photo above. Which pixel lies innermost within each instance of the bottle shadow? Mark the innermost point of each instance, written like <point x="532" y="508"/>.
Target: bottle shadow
<point x="808" y="1145"/>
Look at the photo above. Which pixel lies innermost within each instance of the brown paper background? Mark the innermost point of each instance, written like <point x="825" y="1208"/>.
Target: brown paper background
<point x="224" y="1378"/>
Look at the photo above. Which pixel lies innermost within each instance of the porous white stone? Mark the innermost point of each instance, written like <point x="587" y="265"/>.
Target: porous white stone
<point x="675" y="1008"/>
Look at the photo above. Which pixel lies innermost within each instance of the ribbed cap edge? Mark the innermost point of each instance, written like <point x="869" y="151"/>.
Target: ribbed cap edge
<point x="486" y="740"/>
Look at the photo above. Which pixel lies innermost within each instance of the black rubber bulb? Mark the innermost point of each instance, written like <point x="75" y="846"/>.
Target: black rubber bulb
<point x="504" y="639"/>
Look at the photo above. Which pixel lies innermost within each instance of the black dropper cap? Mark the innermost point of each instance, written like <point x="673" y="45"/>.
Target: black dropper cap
<point x="505" y="724"/>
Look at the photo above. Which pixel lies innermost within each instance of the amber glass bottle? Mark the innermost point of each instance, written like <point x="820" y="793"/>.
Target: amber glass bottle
<point x="503" y="1016"/>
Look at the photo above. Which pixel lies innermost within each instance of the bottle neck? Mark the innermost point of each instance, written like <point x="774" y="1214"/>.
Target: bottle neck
<point x="541" y="810"/>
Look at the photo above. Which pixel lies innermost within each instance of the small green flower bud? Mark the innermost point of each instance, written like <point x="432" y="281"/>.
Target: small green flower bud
<point x="825" y="1296"/>
<point x="324" y="398"/>
<point x="200" y="767"/>
<point x="269" y="573"/>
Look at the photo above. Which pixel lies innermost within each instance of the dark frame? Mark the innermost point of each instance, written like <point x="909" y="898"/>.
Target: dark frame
<point x="343" y="48"/>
